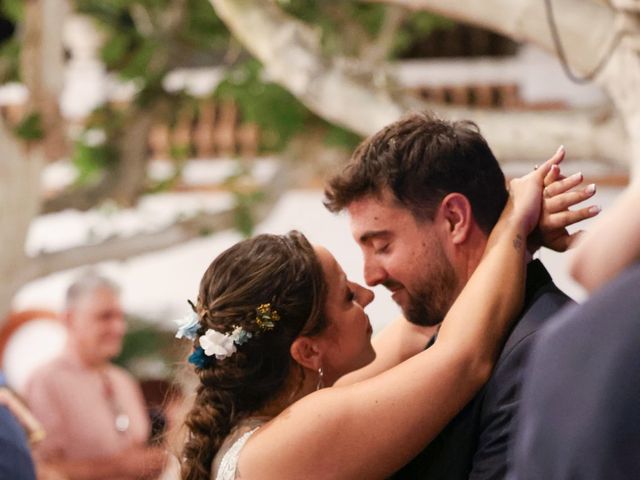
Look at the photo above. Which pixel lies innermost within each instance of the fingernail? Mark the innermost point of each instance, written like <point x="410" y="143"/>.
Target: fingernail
<point x="591" y="188"/>
<point x="560" y="149"/>
<point x="595" y="209"/>
<point x="577" y="175"/>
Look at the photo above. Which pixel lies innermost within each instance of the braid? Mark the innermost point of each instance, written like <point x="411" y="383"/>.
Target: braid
<point x="282" y="270"/>
<point x="209" y="422"/>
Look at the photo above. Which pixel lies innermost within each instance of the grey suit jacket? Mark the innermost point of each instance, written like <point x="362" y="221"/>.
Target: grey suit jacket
<point x="475" y="444"/>
<point x="580" y="416"/>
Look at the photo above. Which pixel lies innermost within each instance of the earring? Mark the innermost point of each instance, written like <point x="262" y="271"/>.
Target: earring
<point x="320" y="379"/>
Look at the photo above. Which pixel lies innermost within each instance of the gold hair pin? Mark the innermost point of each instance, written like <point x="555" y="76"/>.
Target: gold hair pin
<point x="266" y="317"/>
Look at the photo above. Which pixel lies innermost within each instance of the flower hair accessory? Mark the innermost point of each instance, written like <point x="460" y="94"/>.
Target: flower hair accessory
<point x="223" y="345"/>
<point x="188" y="326"/>
<point x="218" y="344"/>
<point x="266" y="316"/>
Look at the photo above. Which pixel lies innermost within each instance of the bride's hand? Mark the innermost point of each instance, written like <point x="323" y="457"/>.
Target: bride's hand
<point x="558" y="195"/>
<point x="525" y="197"/>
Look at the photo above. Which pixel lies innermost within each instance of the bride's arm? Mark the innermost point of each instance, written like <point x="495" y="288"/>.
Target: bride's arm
<point x="371" y="428"/>
<point x="612" y="244"/>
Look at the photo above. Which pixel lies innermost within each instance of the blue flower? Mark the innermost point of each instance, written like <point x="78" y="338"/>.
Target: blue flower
<point x="199" y="358"/>
<point x="188" y="326"/>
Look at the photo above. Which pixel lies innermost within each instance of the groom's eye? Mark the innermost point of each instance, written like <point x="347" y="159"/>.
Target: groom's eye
<point x="383" y="249"/>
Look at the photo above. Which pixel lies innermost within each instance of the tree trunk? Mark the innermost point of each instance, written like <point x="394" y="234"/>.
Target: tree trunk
<point x="21" y="163"/>
<point x="20" y="170"/>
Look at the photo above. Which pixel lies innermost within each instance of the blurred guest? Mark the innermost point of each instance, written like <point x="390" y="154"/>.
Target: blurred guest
<point x="580" y="417"/>
<point x="93" y="411"/>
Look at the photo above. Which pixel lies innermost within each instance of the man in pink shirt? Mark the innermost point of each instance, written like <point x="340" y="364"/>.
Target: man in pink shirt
<point x="93" y="411"/>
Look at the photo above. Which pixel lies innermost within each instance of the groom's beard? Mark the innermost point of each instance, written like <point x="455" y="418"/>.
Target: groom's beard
<point x="430" y="301"/>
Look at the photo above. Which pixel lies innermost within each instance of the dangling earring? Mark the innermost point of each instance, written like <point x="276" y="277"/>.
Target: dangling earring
<point x="320" y="379"/>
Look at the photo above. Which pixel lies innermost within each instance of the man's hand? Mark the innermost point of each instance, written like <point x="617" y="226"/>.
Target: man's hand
<point x="142" y="462"/>
<point x="555" y="215"/>
<point x="136" y="463"/>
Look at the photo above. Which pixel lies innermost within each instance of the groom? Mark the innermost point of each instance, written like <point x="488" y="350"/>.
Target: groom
<point x="422" y="195"/>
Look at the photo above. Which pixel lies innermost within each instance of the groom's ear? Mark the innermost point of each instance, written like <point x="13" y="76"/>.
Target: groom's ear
<point x="306" y="351"/>
<point x="456" y="214"/>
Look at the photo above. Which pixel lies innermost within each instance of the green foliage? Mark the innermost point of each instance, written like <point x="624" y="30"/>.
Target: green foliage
<point x="203" y="30"/>
<point x="340" y="137"/>
<point x="417" y="27"/>
<point x="10" y="60"/>
<point x="243" y="211"/>
<point x="138" y="42"/>
<point x="246" y="196"/>
<point x="30" y="128"/>
<point x="345" y="25"/>
<point x="125" y="49"/>
<point x="91" y="160"/>
<point x="278" y="113"/>
<point x="95" y="150"/>
<point x="13" y="10"/>
<point x="144" y="340"/>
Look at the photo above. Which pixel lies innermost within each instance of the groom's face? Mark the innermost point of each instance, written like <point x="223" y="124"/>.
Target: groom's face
<point x="405" y="255"/>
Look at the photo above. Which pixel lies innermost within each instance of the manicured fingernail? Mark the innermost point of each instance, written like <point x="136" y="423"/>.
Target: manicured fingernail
<point x="577" y="175"/>
<point x="560" y="149"/>
<point x="594" y="209"/>
<point x="591" y="188"/>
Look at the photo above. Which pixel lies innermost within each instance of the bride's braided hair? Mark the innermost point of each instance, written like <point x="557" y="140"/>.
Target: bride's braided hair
<point x="283" y="271"/>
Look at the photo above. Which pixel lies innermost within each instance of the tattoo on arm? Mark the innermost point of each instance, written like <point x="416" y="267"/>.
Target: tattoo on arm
<point x="517" y="242"/>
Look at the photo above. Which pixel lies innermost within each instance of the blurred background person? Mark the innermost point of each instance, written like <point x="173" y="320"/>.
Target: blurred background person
<point x="92" y="410"/>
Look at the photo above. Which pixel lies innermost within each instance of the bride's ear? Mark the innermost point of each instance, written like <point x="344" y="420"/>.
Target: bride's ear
<point x="306" y="352"/>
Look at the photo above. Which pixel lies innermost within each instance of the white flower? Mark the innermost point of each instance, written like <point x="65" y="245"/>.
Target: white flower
<point x="218" y="344"/>
<point x="188" y="326"/>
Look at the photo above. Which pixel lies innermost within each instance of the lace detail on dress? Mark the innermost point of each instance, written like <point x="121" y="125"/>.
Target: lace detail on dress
<point x="229" y="462"/>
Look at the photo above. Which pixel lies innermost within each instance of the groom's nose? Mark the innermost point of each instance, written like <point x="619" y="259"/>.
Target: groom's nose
<point x="374" y="274"/>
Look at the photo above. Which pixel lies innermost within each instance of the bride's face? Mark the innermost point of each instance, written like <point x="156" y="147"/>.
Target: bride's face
<point x="346" y="342"/>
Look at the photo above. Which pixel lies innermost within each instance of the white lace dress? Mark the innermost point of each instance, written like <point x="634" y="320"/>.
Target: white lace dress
<point x="225" y="465"/>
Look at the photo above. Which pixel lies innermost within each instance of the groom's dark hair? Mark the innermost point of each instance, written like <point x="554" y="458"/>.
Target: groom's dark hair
<point x="421" y="159"/>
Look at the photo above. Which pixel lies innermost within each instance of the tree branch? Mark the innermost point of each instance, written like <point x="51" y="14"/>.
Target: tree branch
<point x="379" y="49"/>
<point x="118" y="248"/>
<point x="526" y="21"/>
<point x="121" y="248"/>
<point x="290" y="51"/>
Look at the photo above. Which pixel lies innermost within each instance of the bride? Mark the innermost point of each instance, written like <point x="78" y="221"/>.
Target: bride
<point x="277" y="320"/>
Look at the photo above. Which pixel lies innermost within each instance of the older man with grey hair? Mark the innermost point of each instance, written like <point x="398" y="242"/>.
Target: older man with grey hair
<point x="93" y="411"/>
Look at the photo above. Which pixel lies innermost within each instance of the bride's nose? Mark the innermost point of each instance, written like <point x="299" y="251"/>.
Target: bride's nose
<point x="365" y="296"/>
